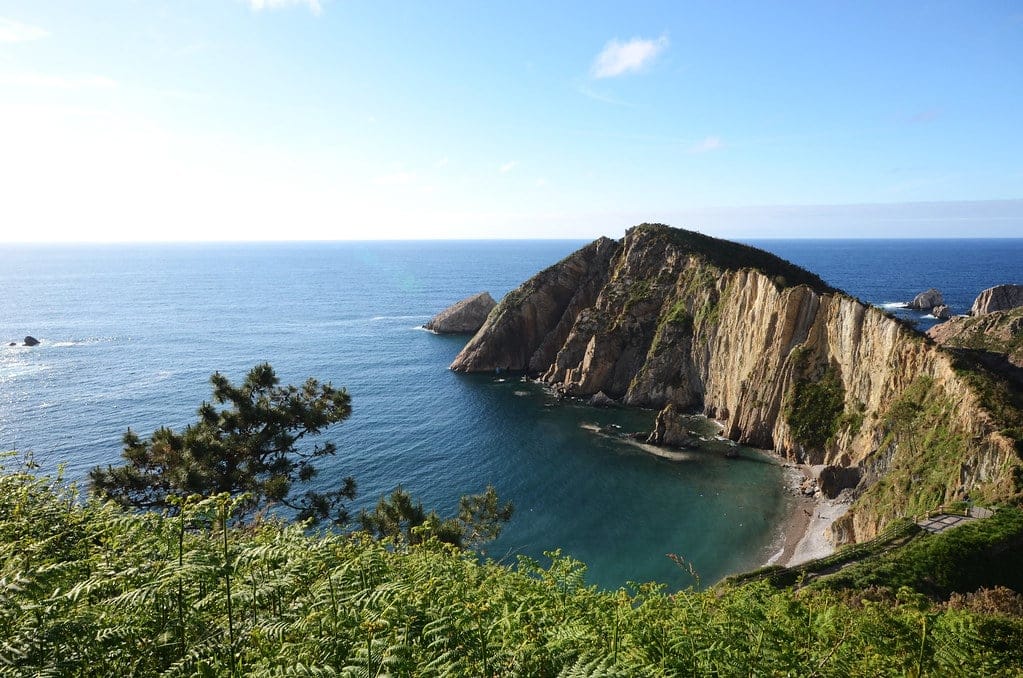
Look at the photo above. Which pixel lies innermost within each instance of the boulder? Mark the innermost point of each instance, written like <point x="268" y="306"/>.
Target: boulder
<point x="31" y="341"/>
<point x="670" y="430"/>
<point x="833" y="479"/>
<point x="13" y="343"/>
<point x="601" y="399"/>
<point x="927" y="300"/>
<point x="998" y="298"/>
<point x="941" y="312"/>
<point x="463" y="317"/>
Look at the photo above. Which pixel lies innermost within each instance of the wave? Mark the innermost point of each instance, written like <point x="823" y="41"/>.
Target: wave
<point x="378" y="318"/>
<point x="894" y="304"/>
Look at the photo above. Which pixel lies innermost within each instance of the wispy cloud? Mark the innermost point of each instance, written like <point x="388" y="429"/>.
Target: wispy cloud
<point x="507" y="167"/>
<point x="315" y="6"/>
<point x="56" y="81"/>
<point x="707" y="145"/>
<point x="15" y="31"/>
<point x="618" y="58"/>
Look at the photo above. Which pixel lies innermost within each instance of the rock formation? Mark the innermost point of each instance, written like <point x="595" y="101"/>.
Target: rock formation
<point x="941" y="312"/>
<point x="31" y="341"/>
<point x="998" y="298"/>
<point x="926" y="300"/>
<point x="601" y="399"/>
<point x="463" y="317"/>
<point x="999" y="332"/>
<point x="669" y="430"/>
<point x="680" y="321"/>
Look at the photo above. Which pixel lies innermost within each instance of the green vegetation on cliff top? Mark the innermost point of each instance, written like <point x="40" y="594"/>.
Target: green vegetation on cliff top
<point x="93" y="590"/>
<point x="728" y="255"/>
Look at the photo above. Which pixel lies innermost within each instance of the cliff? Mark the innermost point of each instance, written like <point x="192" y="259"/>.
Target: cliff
<point x="668" y="318"/>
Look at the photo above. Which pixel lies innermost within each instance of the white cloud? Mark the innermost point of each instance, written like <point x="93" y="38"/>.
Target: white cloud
<point x="314" y="5"/>
<point x="56" y="81"/>
<point x="707" y="145"/>
<point x="507" y="167"/>
<point x="15" y="31"/>
<point x="619" y="58"/>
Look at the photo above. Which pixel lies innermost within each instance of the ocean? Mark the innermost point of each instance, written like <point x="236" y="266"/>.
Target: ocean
<point x="131" y="333"/>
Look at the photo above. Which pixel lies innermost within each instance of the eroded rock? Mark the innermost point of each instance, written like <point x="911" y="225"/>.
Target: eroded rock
<point x="998" y="298"/>
<point x="927" y="300"/>
<point x="463" y="317"/>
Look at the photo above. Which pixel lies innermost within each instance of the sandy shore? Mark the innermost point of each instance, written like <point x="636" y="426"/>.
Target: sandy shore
<point x="806" y="528"/>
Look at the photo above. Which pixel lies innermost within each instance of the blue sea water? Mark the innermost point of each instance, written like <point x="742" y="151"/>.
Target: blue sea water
<point x="131" y="333"/>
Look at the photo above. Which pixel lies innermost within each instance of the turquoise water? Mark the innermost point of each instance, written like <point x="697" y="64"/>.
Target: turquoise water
<point x="131" y="334"/>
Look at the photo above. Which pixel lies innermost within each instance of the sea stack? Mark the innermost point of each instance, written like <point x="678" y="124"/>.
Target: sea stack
<point x="927" y="300"/>
<point x="464" y="317"/>
<point x="998" y="298"/>
<point x="31" y="341"/>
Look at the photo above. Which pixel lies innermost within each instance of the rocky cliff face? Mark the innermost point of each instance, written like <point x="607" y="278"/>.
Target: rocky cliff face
<point x="673" y="319"/>
<point x="998" y="298"/>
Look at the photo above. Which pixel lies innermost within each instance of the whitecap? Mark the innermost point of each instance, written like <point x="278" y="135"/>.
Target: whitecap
<point x="893" y="304"/>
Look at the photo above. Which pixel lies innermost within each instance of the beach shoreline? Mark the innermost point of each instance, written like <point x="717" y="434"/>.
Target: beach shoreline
<point x="804" y="531"/>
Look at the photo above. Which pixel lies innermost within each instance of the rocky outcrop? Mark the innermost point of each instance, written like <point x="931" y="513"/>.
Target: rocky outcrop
<point x="601" y="399"/>
<point x="679" y="321"/>
<point x="941" y="312"/>
<point x="463" y="317"/>
<point x="999" y="332"/>
<point x="998" y="298"/>
<point x="31" y="341"/>
<point x="670" y="431"/>
<point x="528" y="327"/>
<point x="926" y="300"/>
<point x="831" y="480"/>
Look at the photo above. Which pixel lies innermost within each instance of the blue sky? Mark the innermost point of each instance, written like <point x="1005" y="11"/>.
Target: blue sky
<point x="331" y="119"/>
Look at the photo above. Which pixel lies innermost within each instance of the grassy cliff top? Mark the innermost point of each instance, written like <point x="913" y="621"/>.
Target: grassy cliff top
<point x="730" y="255"/>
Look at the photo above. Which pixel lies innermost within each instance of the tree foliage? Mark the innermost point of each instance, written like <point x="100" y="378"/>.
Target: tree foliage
<point x="398" y="516"/>
<point x="251" y="447"/>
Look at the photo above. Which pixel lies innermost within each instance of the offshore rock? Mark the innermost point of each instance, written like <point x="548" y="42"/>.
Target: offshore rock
<point x="682" y="322"/>
<point x="998" y="298"/>
<point x="463" y="317"/>
<point x="601" y="399"/>
<point x="941" y="312"/>
<point x="31" y="341"/>
<point x="670" y="431"/>
<point x="926" y="300"/>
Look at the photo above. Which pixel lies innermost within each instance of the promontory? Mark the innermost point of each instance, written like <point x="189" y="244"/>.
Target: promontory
<point x="683" y="322"/>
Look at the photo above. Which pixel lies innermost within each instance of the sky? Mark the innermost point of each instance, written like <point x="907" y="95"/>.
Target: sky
<point x="167" y="120"/>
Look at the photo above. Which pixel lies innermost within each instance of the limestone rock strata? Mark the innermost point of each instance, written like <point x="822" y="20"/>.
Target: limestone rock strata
<point x="672" y="319"/>
<point x="463" y="317"/>
<point x="998" y="298"/>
